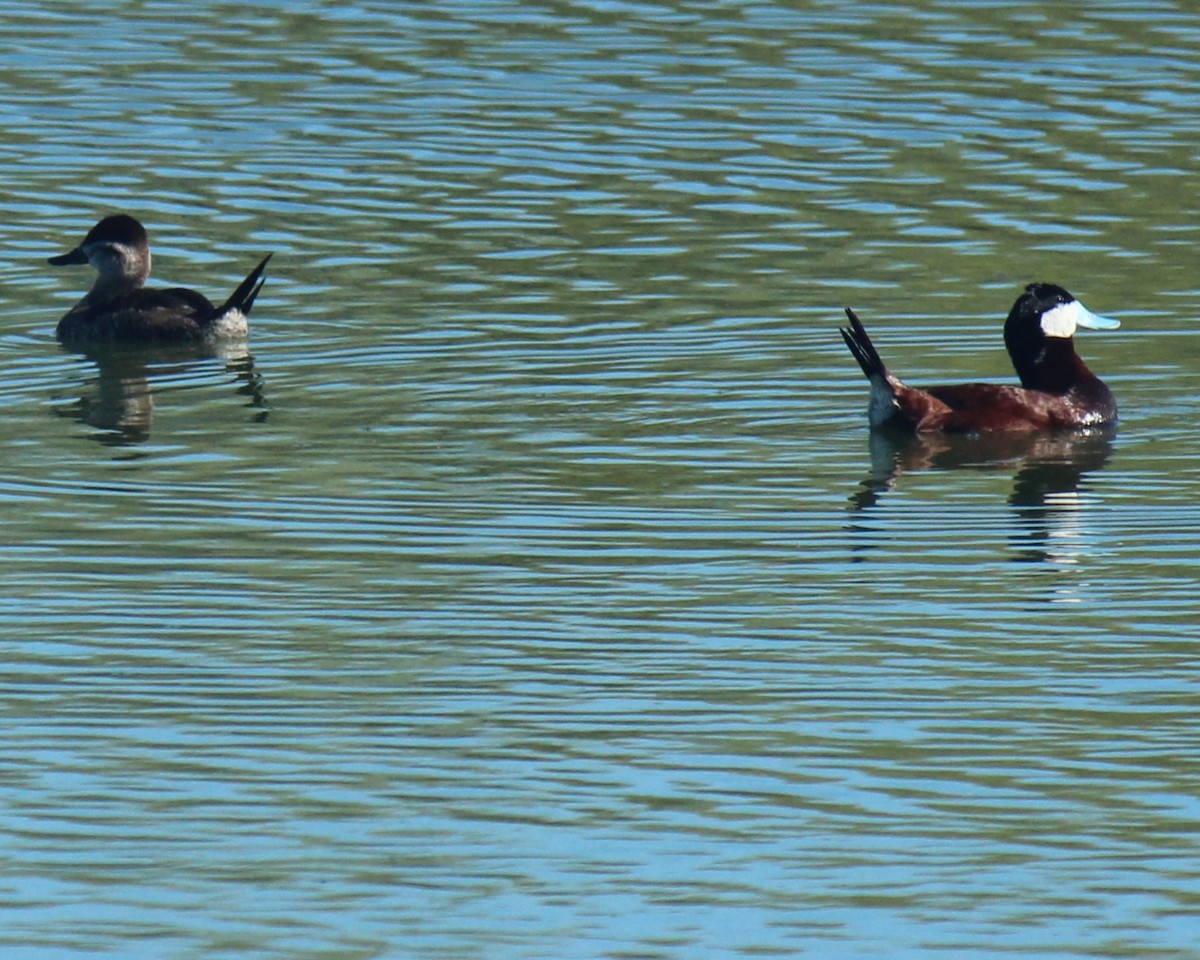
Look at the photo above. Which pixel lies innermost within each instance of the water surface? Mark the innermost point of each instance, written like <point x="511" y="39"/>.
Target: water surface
<point x="532" y="587"/>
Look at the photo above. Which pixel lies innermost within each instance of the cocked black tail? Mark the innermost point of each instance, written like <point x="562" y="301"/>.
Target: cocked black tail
<point x="861" y="346"/>
<point x="242" y="298"/>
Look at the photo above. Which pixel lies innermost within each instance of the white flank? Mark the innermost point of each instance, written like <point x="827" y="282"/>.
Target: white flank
<point x="229" y="325"/>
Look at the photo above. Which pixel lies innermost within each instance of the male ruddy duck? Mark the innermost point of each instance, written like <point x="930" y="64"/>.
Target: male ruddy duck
<point x="1057" y="391"/>
<point x="120" y="307"/>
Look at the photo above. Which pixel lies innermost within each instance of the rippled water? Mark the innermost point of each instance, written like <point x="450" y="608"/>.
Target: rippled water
<point x="533" y="588"/>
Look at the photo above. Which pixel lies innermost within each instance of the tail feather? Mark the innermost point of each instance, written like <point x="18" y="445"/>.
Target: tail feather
<point x="242" y="299"/>
<point x="861" y="346"/>
<point x="887" y="391"/>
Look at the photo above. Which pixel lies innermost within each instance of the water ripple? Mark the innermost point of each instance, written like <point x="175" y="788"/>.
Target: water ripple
<point x="533" y="587"/>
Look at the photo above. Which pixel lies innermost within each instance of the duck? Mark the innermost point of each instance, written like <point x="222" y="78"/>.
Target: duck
<point x="1057" y="390"/>
<point x="120" y="307"/>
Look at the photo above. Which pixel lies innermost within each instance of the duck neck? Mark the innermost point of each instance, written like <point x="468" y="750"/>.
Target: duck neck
<point x="1053" y="367"/>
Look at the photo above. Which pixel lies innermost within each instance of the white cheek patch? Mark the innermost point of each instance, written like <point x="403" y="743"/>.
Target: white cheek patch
<point x="1062" y="320"/>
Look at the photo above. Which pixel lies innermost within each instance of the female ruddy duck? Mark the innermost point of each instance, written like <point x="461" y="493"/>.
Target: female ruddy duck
<point x="1057" y="391"/>
<point x="120" y="307"/>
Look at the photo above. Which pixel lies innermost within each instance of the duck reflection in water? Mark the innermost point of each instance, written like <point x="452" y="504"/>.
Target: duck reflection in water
<point x="1048" y="470"/>
<point x="1056" y="426"/>
<point x="130" y="330"/>
<point x="119" y="399"/>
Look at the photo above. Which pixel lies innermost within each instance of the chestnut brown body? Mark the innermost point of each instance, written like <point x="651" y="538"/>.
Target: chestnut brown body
<point x="1057" y="391"/>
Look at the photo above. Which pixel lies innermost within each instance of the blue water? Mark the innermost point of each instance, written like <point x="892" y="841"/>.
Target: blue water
<point x="533" y="588"/>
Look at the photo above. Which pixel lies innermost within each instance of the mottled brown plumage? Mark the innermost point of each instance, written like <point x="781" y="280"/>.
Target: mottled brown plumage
<point x="120" y="307"/>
